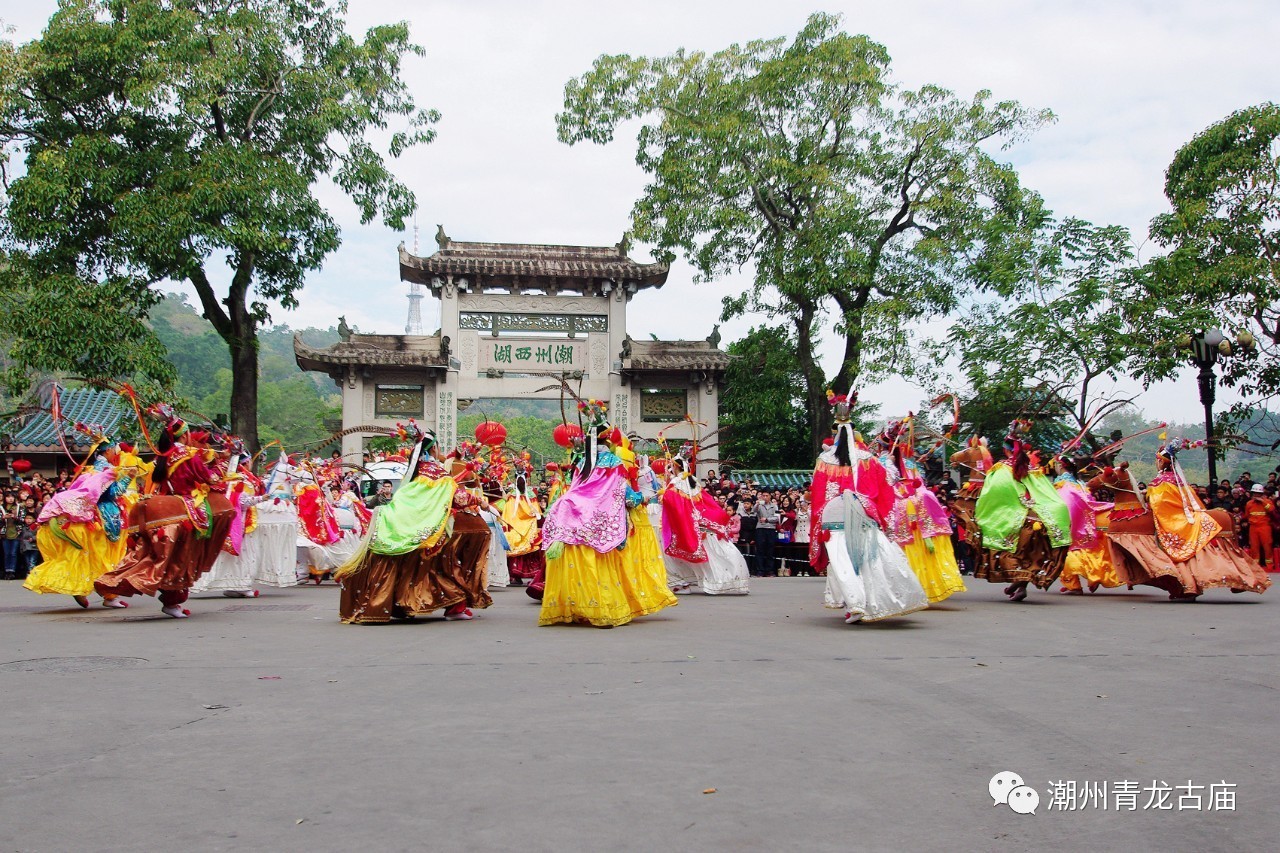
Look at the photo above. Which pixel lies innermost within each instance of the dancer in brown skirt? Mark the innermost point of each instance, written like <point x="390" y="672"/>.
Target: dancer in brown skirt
<point x="427" y="551"/>
<point x="176" y="534"/>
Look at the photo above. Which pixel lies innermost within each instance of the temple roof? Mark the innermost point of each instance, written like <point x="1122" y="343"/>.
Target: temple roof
<point x="522" y="266"/>
<point x="38" y="432"/>
<point x="676" y="355"/>
<point x="390" y="350"/>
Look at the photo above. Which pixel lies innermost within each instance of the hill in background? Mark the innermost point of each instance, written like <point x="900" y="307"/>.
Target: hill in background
<point x="294" y="407"/>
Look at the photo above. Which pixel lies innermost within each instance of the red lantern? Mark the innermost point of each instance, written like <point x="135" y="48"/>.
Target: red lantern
<point x="553" y="467"/>
<point x="659" y="466"/>
<point x="21" y="466"/>
<point x="491" y="433"/>
<point x="564" y="434"/>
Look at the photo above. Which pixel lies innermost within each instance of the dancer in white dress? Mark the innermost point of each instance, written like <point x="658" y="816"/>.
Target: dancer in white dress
<point x="499" y="577"/>
<point x="266" y="536"/>
<point x="868" y="576"/>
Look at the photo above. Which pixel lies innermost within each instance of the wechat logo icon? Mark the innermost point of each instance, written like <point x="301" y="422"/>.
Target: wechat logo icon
<point x="1007" y="789"/>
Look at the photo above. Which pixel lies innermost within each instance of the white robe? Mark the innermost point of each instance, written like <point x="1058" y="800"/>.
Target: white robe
<point x="328" y="557"/>
<point x="267" y="554"/>
<point x="868" y="575"/>
<point x="499" y="577"/>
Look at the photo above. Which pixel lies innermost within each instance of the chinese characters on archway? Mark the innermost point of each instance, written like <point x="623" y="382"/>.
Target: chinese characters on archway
<point x="548" y="354"/>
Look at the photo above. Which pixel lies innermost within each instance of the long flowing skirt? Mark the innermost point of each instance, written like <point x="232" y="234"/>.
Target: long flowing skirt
<point x="267" y="557"/>
<point x="167" y="556"/>
<point x="319" y="560"/>
<point x="498" y="576"/>
<point x="71" y="567"/>
<point x="725" y="571"/>
<point x="868" y="575"/>
<point x="644" y="584"/>
<point x="398" y="586"/>
<point x="936" y="570"/>
<point x="277" y="548"/>
<point x="1139" y="559"/>
<point x="583" y="585"/>
<point x="527" y="566"/>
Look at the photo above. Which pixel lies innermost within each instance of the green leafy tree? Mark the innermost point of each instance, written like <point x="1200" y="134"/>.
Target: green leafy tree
<point x="1063" y="329"/>
<point x="1223" y="236"/>
<point x="186" y="140"/>
<point x="844" y="192"/>
<point x="762" y="410"/>
<point x="996" y="402"/>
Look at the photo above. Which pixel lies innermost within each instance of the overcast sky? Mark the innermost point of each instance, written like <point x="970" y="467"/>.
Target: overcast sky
<point x="1129" y="81"/>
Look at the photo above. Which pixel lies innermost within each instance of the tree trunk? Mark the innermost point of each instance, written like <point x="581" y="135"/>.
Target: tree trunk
<point x="815" y="390"/>
<point x="244" y="377"/>
<point x="234" y="323"/>
<point x="851" y="364"/>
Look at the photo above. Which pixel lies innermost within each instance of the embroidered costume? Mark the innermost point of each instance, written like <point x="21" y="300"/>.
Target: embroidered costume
<point x="427" y="550"/>
<point x="603" y="566"/>
<point x="868" y="575"/>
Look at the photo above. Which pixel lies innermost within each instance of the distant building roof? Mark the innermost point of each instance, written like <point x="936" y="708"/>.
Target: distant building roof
<point x="522" y="266"/>
<point x="676" y="355"/>
<point x="391" y="350"/>
<point x="38" y="432"/>
<point x="778" y="479"/>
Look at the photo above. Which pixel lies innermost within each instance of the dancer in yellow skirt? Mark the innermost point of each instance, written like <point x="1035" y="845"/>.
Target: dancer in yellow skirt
<point x="645" y="587"/>
<point x="1089" y="560"/>
<point x="917" y="521"/>
<point x="81" y="528"/>
<point x="602" y="568"/>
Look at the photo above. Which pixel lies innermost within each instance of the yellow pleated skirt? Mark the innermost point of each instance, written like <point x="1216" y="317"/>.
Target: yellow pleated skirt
<point x="605" y="590"/>
<point x="71" y="567"/>
<point x="936" y="570"/>
<point x="585" y="586"/>
<point x="1091" y="566"/>
<point x="644" y="579"/>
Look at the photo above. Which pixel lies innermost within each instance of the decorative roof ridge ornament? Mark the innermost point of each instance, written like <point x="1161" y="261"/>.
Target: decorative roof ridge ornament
<point x="442" y="239"/>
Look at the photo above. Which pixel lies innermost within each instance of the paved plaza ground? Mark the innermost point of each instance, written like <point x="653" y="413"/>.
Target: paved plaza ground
<point x="267" y="725"/>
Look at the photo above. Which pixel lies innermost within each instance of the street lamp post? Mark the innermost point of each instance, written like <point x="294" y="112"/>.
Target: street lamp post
<point x="1206" y="347"/>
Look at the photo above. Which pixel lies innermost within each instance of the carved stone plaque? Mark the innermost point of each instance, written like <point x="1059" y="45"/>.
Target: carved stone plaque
<point x="531" y="355"/>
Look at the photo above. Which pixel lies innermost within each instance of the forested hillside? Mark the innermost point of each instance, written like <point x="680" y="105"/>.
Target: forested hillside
<point x="293" y="405"/>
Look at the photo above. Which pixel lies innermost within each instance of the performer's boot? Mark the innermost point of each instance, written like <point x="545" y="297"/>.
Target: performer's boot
<point x="459" y="612"/>
<point x="240" y="593"/>
<point x="172" y="601"/>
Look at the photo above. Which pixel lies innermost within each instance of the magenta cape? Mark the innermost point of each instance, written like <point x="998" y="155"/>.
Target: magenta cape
<point x="930" y="517"/>
<point x="79" y="501"/>
<point x="1084" y="513"/>
<point x="680" y="538"/>
<point x="591" y="513"/>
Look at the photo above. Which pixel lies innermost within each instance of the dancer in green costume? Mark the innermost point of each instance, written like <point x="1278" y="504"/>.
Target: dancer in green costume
<point x="1025" y="524"/>
<point x="424" y="551"/>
